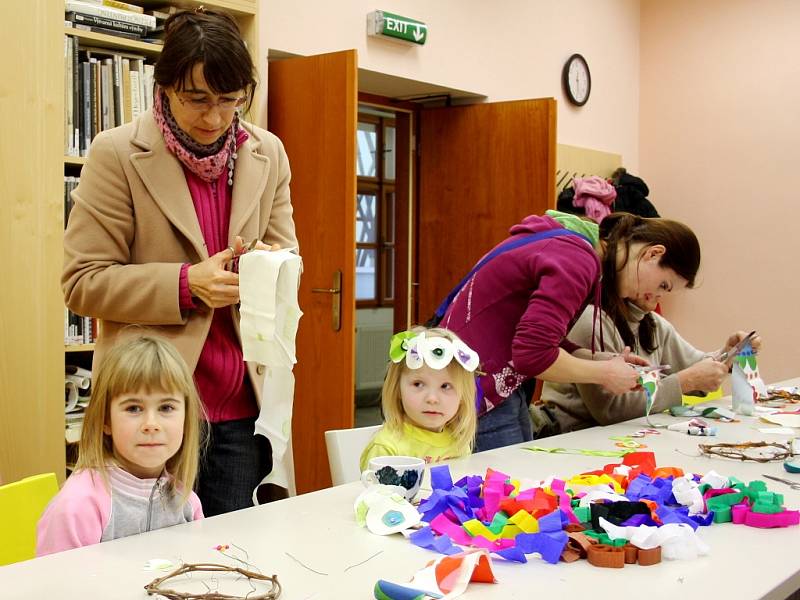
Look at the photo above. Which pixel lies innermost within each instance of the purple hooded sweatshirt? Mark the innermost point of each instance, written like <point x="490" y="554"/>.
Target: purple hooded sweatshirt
<point x="517" y="309"/>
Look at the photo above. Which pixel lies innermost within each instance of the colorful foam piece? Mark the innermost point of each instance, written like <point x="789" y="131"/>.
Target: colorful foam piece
<point x="634" y="500"/>
<point x="386" y="590"/>
<point x="445" y="577"/>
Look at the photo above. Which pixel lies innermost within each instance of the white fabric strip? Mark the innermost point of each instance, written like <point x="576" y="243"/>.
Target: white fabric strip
<point x="268" y="283"/>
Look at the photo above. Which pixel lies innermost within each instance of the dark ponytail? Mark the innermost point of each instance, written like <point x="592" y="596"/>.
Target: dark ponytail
<point x="619" y="231"/>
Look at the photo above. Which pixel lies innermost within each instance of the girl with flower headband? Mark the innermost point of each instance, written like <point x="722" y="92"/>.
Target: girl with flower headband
<point x="428" y="398"/>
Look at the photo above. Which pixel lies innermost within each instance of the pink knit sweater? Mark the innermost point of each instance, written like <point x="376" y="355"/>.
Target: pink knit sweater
<point x="220" y="374"/>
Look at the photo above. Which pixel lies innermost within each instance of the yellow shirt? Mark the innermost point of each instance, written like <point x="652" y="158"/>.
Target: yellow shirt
<point x="430" y="446"/>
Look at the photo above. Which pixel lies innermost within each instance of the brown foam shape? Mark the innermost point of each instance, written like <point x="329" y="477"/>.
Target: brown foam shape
<point x="650" y="557"/>
<point x="574" y="528"/>
<point x="577" y="545"/>
<point x="603" y="555"/>
<point x="631" y="554"/>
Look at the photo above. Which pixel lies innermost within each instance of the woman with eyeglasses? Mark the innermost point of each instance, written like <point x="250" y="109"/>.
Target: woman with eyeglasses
<point x="164" y="206"/>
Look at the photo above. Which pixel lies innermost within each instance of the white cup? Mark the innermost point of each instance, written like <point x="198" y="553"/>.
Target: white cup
<point x="403" y="471"/>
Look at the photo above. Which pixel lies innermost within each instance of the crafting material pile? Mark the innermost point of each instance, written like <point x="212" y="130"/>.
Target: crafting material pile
<point x="624" y="511"/>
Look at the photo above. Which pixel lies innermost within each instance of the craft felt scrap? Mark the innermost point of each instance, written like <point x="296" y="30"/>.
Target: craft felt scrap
<point x="634" y="500"/>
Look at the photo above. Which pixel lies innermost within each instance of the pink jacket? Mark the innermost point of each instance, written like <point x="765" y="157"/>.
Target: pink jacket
<point x="86" y="512"/>
<point x="595" y="194"/>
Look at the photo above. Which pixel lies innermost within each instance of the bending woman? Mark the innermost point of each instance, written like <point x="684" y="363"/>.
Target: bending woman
<point x="631" y="323"/>
<point x="517" y="309"/>
<point x="162" y="208"/>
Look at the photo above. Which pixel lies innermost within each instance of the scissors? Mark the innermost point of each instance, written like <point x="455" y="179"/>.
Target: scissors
<point x="795" y="485"/>
<point x="725" y="356"/>
<point x="652" y="368"/>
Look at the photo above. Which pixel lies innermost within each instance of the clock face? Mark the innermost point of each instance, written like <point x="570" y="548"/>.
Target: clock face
<point x="577" y="80"/>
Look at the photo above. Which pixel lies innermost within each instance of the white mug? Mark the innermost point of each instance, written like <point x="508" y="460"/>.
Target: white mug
<point x="403" y="471"/>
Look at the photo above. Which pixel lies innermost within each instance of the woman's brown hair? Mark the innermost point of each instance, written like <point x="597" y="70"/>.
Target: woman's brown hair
<point x="210" y="37"/>
<point x="621" y="230"/>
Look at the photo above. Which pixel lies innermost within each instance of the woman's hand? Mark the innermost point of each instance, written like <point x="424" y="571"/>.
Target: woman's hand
<point x="212" y="283"/>
<point x="634" y="359"/>
<point x="703" y="376"/>
<point x="239" y="247"/>
<point x="618" y="376"/>
<point x="738" y="336"/>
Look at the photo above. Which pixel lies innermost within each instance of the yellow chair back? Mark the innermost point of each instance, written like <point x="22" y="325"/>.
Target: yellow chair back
<point x="21" y="505"/>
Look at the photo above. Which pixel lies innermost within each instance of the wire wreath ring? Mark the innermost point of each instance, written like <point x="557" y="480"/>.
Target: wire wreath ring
<point x="153" y="587"/>
<point x="739" y="451"/>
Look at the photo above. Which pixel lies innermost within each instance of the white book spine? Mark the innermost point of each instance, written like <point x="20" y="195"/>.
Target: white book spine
<point x="135" y="107"/>
<point x="110" y="13"/>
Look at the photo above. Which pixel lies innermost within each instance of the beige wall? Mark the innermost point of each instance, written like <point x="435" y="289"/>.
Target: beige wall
<point x="505" y="50"/>
<point x="720" y="124"/>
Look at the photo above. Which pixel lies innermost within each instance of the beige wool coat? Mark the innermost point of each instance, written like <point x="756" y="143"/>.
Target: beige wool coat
<point x="133" y="225"/>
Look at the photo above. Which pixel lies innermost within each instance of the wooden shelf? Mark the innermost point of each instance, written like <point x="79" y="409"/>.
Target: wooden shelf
<point x="75" y="160"/>
<point x="113" y="42"/>
<point x="239" y="8"/>
<point x="78" y="347"/>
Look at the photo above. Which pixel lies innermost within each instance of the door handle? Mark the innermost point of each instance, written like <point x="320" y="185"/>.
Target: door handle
<point x="336" y="301"/>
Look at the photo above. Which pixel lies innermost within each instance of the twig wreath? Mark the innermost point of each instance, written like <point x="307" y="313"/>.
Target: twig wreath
<point x="153" y="587"/>
<point x="748" y="451"/>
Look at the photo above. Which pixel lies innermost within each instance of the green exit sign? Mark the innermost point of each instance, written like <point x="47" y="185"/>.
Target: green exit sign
<point x="385" y="24"/>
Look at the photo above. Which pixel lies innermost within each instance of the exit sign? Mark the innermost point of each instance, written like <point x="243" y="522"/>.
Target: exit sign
<point x="385" y="24"/>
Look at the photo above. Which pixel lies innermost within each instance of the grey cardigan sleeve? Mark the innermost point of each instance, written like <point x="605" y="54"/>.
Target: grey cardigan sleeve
<point x="672" y="349"/>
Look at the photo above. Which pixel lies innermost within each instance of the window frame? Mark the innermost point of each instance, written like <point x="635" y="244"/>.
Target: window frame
<point x="385" y="216"/>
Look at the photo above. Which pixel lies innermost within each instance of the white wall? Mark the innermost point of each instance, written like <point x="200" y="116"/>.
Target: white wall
<point x="505" y="50"/>
<point x="720" y="124"/>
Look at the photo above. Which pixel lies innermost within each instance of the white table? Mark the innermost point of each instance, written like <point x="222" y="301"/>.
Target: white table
<point x="319" y="530"/>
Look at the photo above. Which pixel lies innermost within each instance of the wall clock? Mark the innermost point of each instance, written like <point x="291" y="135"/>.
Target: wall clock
<point x="577" y="80"/>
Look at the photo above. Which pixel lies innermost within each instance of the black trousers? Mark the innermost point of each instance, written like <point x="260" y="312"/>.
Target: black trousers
<point x="233" y="465"/>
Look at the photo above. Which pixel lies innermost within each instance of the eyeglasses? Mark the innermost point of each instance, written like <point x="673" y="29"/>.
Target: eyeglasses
<point x="205" y="104"/>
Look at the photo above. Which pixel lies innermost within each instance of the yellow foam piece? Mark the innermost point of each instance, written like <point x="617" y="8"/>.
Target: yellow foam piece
<point x="509" y="532"/>
<point x="715" y="395"/>
<point x="525" y="521"/>
<point x="475" y="527"/>
<point x="21" y="504"/>
<point x="590" y="480"/>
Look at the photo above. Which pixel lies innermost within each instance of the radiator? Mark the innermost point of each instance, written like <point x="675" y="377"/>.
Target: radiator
<point x="372" y="355"/>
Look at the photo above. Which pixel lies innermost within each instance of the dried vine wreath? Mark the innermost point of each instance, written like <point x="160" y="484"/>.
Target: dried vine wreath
<point x="781" y="395"/>
<point x="153" y="587"/>
<point x="739" y="451"/>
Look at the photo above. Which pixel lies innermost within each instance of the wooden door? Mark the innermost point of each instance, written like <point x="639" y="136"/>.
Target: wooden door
<point x="482" y="168"/>
<point x="312" y="108"/>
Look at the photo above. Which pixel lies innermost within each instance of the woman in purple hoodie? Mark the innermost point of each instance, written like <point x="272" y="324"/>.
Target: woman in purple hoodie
<point x="516" y="308"/>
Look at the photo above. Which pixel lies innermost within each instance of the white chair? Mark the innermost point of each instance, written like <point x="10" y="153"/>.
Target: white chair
<point x="344" y="451"/>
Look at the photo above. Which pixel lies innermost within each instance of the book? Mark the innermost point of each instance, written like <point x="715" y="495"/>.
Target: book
<point x="126" y="90"/>
<point x="68" y="82"/>
<point x="135" y="103"/>
<point x="114" y="24"/>
<point x="88" y="8"/>
<point x="86" y="121"/>
<point x="77" y="112"/>
<point x="117" y="4"/>
<point x="162" y="13"/>
<point x="119" y="109"/>
<point x="121" y="34"/>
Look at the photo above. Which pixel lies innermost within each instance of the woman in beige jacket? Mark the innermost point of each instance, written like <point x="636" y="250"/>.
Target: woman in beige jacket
<point x="164" y="205"/>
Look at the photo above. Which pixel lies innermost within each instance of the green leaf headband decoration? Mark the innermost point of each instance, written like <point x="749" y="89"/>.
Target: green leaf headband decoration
<point x="437" y="352"/>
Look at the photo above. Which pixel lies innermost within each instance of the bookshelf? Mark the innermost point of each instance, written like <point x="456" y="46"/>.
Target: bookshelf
<point x="32" y="349"/>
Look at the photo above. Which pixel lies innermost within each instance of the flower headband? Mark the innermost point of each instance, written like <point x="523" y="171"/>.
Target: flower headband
<point x="436" y="352"/>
